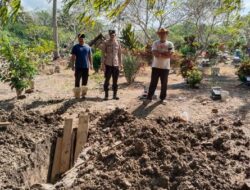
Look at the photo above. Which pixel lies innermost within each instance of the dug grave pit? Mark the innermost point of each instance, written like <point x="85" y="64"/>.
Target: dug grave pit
<point x="26" y="147"/>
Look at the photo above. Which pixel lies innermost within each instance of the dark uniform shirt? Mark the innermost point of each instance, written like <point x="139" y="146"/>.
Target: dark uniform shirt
<point x="82" y="53"/>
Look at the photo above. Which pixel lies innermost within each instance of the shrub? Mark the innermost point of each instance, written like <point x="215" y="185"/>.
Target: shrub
<point x="18" y="68"/>
<point x="128" y="38"/>
<point x="97" y="58"/>
<point x="212" y="50"/>
<point x="244" y="70"/>
<point x="186" y="65"/>
<point x="176" y="59"/>
<point x="194" y="77"/>
<point x="131" y="67"/>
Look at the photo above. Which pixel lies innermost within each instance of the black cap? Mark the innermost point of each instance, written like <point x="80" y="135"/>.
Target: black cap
<point x="111" y="32"/>
<point x="81" y="35"/>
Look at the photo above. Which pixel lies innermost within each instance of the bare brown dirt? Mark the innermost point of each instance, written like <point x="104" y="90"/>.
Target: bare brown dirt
<point x="25" y="147"/>
<point x="163" y="153"/>
<point x="217" y="143"/>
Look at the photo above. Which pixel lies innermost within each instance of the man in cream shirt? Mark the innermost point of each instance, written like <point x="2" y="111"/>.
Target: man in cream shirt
<point x="162" y="51"/>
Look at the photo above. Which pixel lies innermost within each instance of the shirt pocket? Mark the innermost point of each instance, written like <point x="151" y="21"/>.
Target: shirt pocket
<point x="116" y="49"/>
<point x="109" y="49"/>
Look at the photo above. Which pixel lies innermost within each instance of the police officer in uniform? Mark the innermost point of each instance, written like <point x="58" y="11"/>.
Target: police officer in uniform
<point x="111" y="64"/>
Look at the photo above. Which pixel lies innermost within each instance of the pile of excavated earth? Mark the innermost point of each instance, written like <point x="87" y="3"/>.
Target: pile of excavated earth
<point x="125" y="152"/>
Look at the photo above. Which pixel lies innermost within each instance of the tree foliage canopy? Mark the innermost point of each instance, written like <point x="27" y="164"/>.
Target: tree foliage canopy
<point x="8" y="10"/>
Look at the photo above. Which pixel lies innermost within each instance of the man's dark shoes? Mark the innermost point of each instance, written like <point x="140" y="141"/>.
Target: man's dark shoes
<point x="106" y="96"/>
<point x="163" y="102"/>
<point x="115" y="96"/>
<point x="147" y="101"/>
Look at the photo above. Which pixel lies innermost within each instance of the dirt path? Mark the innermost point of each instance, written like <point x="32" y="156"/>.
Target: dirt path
<point x="55" y="91"/>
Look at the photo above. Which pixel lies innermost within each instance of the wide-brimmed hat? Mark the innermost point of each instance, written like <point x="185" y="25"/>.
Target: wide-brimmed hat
<point x="162" y="31"/>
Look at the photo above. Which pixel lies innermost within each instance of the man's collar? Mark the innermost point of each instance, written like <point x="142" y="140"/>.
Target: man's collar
<point x="163" y="41"/>
<point x="114" y="40"/>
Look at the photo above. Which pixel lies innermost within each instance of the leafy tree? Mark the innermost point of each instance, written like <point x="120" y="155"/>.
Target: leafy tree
<point x="8" y="10"/>
<point x="43" y="18"/>
<point x="146" y="15"/>
<point x="206" y="15"/>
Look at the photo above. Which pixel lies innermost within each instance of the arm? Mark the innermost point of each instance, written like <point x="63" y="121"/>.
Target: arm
<point x="73" y="58"/>
<point x="120" y="56"/>
<point x="90" y="60"/>
<point x="166" y="54"/>
<point x="103" y="59"/>
<point x="170" y="52"/>
<point x="72" y="61"/>
<point x="156" y="53"/>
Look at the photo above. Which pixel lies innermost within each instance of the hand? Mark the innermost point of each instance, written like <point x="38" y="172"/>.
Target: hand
<point x="103" y="68"/>
<point x="91" y="67"/>
<point x="157" y="54"/>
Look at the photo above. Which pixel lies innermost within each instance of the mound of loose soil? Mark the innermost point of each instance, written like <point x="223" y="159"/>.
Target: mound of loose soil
<point x="163" y="153"/>
<point x="25" y="147"/>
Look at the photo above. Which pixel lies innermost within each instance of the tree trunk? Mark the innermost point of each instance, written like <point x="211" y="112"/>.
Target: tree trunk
<point x="55" y="31"/>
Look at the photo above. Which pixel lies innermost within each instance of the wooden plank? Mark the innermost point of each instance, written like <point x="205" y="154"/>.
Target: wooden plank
<point x="57" y="160"/>
<point x="3" y="124"/>
<point x="73" y="147"/>
<point x="66" y="145"/>
<point x="82" y="134"/>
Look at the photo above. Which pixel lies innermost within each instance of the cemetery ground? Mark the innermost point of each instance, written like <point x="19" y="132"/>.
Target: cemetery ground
<point x="192" y="142"/>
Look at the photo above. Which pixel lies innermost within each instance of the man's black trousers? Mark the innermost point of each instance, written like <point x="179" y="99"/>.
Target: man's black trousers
<point x="111" y="71"/>
<point x="81" y="74"/>
<point x="157" y="74"/>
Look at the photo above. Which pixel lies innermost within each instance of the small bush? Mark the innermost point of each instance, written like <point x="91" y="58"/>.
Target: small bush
<point x="131" y="67"/>
<point x="186" y="65"/>
<point x="97" y="58"/>
<point x="212" y="50"/>
<point x="176" y="59"/>
<point x="194" y="77"/>
<point x="244" y="70"/>
<point x="19" y="67"/>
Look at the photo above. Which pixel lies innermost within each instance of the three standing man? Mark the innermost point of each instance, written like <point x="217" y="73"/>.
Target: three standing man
<point x="162" y="51"/>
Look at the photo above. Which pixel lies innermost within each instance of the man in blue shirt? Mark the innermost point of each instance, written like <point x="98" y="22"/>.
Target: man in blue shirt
<point x="82" y="62"/>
